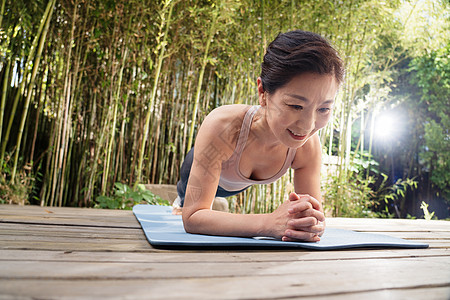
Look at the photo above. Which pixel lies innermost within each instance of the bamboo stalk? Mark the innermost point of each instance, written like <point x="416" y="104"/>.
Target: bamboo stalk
<point x="116" y="104"/>
<point x="36" y="123"/>
<point x="70" y="80"/>
<point x="50" y="6"/>
<point x="64" y="135"/>
<point x="211" y="33"/>
<point x="263" y="36"/>
<point x="94" y="162"/>
<point x="29" y="60"/>
<point x="56" y="150"/>
<point x="3" y="102"/>
<point x="372" y="127"/>
<point x="44" y="194"/>
<point x="2" y="12"/>
<point x="165" y="23"/>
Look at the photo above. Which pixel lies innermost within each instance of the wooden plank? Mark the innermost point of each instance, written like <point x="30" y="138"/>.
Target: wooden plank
<point x="196" y="290"/>
<point x="164" y="256"/>
<point x="140" y="246"/>
<point x="67" y="216"/>
<point x="102" y="221"/>
<point x="426" y="292"/>
<point x="436" y="244"/>
<point x="55" y="228"/>
<point x="70" y="238"/>
<point x="141" y="289"/>
<point x="91" y="233"/>
<point x="256" y="287"/>
<point x="413" y="293"/>
<point x="424" y="235"/>
<point x="426" y="270"/>
<point x="35" y="210"/>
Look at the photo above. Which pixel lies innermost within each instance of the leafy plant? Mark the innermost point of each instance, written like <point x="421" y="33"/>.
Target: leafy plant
<point x="431" y="73"/>
<point x="350" y="198"/>
<point x="17" y="192"/>
<point x="392" y="195"/>
<point x="426" y="214"/>
<point x="361" y="195"/>
<point x="125" y="197"/>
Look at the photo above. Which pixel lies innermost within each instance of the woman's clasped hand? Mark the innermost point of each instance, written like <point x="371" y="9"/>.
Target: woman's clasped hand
<point x="300" y="218"/>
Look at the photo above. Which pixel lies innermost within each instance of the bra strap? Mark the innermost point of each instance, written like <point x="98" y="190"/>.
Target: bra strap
<point x="245" y="129"/>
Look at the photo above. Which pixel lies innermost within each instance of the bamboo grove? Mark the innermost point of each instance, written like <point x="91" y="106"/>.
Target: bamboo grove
<point x="102" y="91"/>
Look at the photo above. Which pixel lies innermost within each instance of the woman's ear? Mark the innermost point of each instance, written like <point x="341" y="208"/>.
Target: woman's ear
<point x="261" y="93"/>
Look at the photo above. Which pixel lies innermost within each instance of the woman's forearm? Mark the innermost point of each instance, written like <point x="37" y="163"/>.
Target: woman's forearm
<point x="206" y="221"/>
<point x="298" y="219"/>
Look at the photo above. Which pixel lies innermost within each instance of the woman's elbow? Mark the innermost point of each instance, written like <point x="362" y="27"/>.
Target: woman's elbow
<point x="195" y="219"/>
<point x="189" y="223"/>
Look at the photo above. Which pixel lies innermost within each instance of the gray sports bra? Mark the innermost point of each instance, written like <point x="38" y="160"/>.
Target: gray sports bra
<point x="231" y="178"/>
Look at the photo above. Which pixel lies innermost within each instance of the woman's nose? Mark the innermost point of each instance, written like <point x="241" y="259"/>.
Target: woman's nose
<point x="307" y="121"/>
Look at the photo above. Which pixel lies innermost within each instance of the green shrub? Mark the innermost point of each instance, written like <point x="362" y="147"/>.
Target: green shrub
<point x="16" y="192"/>
<point x="351" y="197"/>
<point x="355" y="194"/>
<point x="125" y="197"/>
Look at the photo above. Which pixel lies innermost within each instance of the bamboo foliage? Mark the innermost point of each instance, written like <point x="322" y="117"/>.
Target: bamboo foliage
<point x="28" y="65"/>
<point x="42" y="37"/>
<point x="96" y="92"/>
<point x="211" y="31"/>
<point x="3" y="100"/>
<point x="161" y="41"/>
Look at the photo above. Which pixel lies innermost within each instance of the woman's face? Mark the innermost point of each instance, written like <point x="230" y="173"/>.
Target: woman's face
<point x="299" y="109"/>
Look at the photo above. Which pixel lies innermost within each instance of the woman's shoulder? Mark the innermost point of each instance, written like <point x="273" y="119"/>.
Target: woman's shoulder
<point x="225" y="117"/>
<point x="229" y="112"/>
<point x="223" y="124"/>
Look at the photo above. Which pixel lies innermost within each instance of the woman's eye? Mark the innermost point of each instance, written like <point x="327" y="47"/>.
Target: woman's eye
<point x="324" y="110"/>
<point x="296" y="107"/>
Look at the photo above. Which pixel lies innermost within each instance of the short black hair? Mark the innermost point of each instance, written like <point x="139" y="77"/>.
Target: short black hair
<point x="296" y="52"/>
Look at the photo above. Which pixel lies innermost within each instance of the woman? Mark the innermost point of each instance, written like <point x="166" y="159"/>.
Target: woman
<point x="240" y="145"/>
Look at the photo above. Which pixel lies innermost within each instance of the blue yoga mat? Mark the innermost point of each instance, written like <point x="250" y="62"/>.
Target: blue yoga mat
<point x="164" y="229"/>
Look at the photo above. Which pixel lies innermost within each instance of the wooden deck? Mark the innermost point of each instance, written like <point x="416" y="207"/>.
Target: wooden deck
<point x="70" y="253"/>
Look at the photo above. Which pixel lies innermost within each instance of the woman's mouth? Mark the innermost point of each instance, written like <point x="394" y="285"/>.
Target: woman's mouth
<point x="296" y="136"/>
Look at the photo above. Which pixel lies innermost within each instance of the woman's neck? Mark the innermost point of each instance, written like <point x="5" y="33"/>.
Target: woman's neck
<point x="261" y="130"/>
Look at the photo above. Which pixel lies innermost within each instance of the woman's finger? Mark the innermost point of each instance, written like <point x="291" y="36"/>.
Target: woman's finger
<point x="304" y="209"/>
<point x="295" y="235"/>
<point x="293" y="197"/>
<point x="306" y="225"/>
<point x="315" y="203"/>
<point x="299" y="206"/>
<point x="312" y="213"/>
<point x="302" y="222"/>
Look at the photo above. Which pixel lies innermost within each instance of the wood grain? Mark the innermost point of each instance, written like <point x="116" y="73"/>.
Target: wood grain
<point x="72" y="253"/>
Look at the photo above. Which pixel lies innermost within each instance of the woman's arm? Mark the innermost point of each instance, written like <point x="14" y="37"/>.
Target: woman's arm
<point x="213" y="146"/>
<point x="307" y="166"/>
